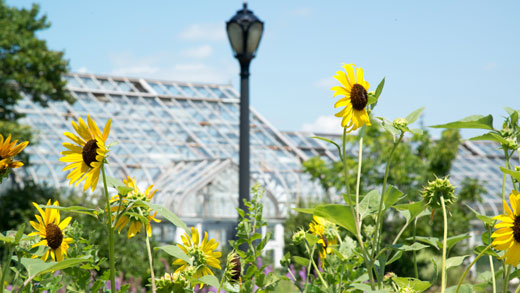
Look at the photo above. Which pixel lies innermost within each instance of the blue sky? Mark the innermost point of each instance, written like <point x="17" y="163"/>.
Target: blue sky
<point x="457" y="58"/>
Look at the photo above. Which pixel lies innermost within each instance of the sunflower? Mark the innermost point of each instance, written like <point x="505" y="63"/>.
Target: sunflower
<point x="355" y="97"/>
<point x="50" y="230"/>
<point x="326" y="232"/>
<point x="203" y="254"/>
<point x="135" y="222"/>
<point x="9" y="149"/>
<point x="87" y="154"/>
<point x="507" y="235"/>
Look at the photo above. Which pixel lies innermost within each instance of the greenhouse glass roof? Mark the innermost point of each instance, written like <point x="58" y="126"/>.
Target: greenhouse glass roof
<point x="181" y="137"/>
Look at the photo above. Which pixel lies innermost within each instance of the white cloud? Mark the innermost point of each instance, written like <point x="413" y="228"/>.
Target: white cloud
<point x="200" y="52"/>
<point x="204" y="31"/>
<point x="126" y="64"/>
<point x="326" y="83"/>
<point x="302" y="11"/>
<point x="324" y="124"/>
<point x="82" y="69"/>
<point x="156" y="67"/>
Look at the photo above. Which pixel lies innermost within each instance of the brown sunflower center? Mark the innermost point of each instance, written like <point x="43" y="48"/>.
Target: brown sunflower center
<point x="358" y="97"/>
<point x="237" y="268"/>
<point x="89" y="152"/>
<point x="516" y="229"/>
<point x="54" y="236"/>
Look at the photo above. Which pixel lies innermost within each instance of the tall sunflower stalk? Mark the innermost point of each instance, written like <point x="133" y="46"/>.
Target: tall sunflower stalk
<point x="87" y="158"/>
<point x="354" y="89"/>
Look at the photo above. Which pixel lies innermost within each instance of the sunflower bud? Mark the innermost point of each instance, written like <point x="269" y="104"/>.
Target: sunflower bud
<point x="511" y="144"/>
<point x="233" y="267"/>
<point x="401" y="124"/>
<point x="440" y="187"/>
<point x="389" y="276"/>
<point x="171" y="283"/>
<point x="298" y="237"/>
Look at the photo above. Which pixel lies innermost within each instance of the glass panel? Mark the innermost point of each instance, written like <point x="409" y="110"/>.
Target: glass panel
<point x="203" y="92"/>
<point x="158" y="89"/>
<point x="89" y="82"/>
<point x="123" y="86"/>
<point x="106" y="84"/>
<point x="188" y="91"/>
<point x="72" y="81"/>
<point x="218" y="92"/>
<point x="173" y="90"/>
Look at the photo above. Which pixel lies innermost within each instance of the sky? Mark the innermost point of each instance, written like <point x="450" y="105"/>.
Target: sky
<point x="456" y="58"/>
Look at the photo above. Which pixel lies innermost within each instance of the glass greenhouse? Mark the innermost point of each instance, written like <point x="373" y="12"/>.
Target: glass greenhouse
<point x="183" y="138"/>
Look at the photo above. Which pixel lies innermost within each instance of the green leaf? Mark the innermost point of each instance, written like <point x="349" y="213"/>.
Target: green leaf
<point x="301" y="260"/>
<point x="509" y="110"/>
<point x="412" y="283"/>
<point x="389" y="126"/>
<point x="311" y="239"/>
<point x="113" y="182"/>
<point x="464" y="288"/>
<point x="379" y="88"/>
<point x="417" y="131"/>
<point x="72" y="209"/>
<point x="451" y="241"/>
<point x="433" y="241"/>
<point x="396" y="256"/>
<point x="404" y="247"/>
<point x="338" y="214"/>
<point x="369" y="204"/>
<point x="124" y="190"/>
<point x="491" y="252"/>
<point x="455" y="261"/>
<point x="36" y="266"/>
<point x="209" y="280"/>
<point x="168" y="215"/>
<point x="329" y="141"/>
<point x="6" y="239"/>
<point x="485" y="219"/>
<point x="175" y="251"/>
<point x="514" y="174"/>
<point x="490" y="136"/>
<point x="410" y="210"/>
<point x="412" y="117"/>
<point x="305" y="211"/>
<point x="475" y="121"/>
<point x="19" y="233"/>
<point x="392" y="195"/>
<point x="231" y="287"/>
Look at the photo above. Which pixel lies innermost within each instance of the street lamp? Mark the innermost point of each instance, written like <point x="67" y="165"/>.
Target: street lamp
<point x="244" y="31"/>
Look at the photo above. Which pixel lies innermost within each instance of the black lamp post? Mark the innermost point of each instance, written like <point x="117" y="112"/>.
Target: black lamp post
<point x="244" y="30"/>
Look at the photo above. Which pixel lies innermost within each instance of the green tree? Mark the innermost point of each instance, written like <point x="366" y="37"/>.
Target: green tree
<point x="27" y="65"/>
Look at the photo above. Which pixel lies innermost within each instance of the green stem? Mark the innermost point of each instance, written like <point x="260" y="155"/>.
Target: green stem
<point x="151" y="262"/>
<point x="378" y="237"/>
<point x="111" y="253"/>
<point x="358" y="180"/>
<point x="492" y="268"/>
<point x="311" y="258"/>
<point x="319" y="273"/>
<point x="416" y="271"/>
<point x="222" y="281"/>
<point x="311" y="253"/>
<point x="506" y="279"/>
<point x="444" y="244"/>
<point x="354" y="214"/>
<point x="471" y="265"/>
<point x="6" y="264"/>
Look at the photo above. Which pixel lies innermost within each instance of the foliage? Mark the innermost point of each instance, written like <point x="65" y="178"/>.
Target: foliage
<point x="27" y="65"/>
